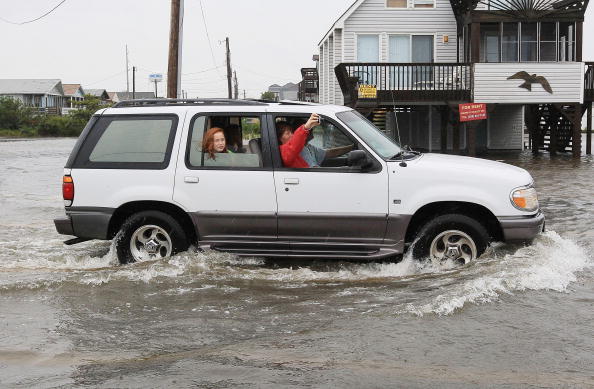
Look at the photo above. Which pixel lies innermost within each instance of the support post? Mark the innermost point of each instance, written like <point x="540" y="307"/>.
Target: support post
<point x="576" y="138"/>
<point x="445" y="112"/>
<point x="456" y="136"/>
<point x="229" y="75"/>
<point x="589" y="129"/>
<point x="471" y="137"/>
<point x="475" y="42"/>
<point x="133" y="82"/>
<point x="235" y="86"/>
<point x="173" y="63"/>
<point x="127" y="72"/>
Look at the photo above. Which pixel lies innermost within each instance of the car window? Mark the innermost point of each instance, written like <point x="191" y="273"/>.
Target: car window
<point x="128" y="142"/>
<point x="142" y="140"/>
<point x="327" y="146"/>
<point x="225" y="141"/>
<point x="370" y="134"/>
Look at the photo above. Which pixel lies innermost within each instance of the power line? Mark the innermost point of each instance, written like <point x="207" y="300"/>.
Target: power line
<point x="36" y="19"/>
<point x="214" y="62"/>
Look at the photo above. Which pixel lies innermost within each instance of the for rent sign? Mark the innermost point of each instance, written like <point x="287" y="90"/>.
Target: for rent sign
<point x="472" y="111"/>
<point x="367" y="91"/>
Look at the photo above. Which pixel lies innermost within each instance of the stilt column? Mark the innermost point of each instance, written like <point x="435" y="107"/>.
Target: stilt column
<point x="589" y="129"/>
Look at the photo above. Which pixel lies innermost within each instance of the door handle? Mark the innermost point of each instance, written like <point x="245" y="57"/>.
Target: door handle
<point x="292" y="181"/>
<point x="191" y="180"/>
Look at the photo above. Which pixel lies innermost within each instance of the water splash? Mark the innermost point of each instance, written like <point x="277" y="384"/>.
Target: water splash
<point x="551" y="263"/>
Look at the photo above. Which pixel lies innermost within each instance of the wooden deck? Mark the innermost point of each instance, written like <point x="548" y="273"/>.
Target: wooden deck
<point x="398" y="83"/>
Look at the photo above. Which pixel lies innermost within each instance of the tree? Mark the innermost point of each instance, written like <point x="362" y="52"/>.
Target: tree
<point x="268" y="96"/>
<point x="14" y="114"/>
<point x="87" y="108"/>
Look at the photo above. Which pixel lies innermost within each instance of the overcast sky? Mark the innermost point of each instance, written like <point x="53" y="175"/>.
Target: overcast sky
<point x="83" y="41"/>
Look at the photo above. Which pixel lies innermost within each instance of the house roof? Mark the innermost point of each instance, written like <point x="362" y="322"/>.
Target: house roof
<point x="31" y="87"/>
<point x="101" y="93"/>
<point x="137" y="95"/>
<point x="340" y="22"/>
<point x="71" y="89"/>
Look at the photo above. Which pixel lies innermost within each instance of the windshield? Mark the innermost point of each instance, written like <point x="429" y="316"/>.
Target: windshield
<point x="377" y="140"/>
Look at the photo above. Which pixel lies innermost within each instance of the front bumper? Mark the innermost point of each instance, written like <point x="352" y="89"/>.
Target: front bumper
<point x="522" y="228"/>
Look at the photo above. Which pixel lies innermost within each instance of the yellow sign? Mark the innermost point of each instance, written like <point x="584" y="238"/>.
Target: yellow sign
<point x="367" y="91"/>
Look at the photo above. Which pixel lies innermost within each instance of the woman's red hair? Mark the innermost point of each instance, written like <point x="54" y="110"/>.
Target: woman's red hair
<point x="208" y="143"/>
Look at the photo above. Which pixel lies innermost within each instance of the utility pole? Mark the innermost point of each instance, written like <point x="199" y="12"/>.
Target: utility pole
<point x="133" y="82"/>
<point x="244" y="94"/>
<point x="229" y="76"/>
<point x="235" y="86"/>
<point x="127" y="73"/>
<point x="175" y="44"/>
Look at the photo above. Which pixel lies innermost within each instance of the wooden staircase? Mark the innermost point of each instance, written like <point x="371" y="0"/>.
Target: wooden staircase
<point x="553" y="126"/>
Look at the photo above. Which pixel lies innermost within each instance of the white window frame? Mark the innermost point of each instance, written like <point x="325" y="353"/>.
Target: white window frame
<point x="410" y="5"/>
<point x="379" y="45"/>
<point x="410" y="35"/>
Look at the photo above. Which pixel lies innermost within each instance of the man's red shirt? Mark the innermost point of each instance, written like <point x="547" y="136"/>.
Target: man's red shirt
<point x="290" y="150"/>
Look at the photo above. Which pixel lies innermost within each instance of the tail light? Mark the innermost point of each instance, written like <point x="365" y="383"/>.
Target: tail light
<point x="68" y="190"/>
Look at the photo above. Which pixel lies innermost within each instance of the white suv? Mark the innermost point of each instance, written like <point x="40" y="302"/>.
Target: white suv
<point x="140" y="172"/>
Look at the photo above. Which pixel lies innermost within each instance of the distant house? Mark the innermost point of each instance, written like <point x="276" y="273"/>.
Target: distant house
<point x="289" y="91"/>
<point x="100" y="93"/>
<point x="122" y="96"/>
<point x="47" y="95"/>
<point x="72" y="93"/>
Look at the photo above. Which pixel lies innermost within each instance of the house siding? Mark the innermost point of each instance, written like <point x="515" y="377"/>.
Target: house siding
<point x="372" y="17"/>
<point x="505" y="128"/>
<point x="492" y="86"/>
<point x="338" y="98"/>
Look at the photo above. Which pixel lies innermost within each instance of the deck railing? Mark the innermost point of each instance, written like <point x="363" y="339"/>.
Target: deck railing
<point x="589" y="82"/>
<point x="410" y="82"/>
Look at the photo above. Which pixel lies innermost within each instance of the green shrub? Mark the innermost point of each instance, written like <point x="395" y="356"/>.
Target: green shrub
<point x="14" y="115"/>
<point x="59" y="126"/>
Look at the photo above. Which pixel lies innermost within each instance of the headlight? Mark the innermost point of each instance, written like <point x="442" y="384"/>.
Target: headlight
<point x="525" y="199"/>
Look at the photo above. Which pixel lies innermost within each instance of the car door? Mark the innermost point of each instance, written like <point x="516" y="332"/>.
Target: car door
<point x="231" y="196"/>
<point x="332" y="203"/>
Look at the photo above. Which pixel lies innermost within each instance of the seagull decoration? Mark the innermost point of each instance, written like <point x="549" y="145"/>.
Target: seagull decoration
<point x="530" y="79"/>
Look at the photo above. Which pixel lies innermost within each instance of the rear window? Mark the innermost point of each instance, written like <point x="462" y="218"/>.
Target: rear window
<point x="136" y="142"/>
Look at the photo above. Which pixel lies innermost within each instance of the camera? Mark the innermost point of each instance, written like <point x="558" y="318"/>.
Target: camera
<point x="320" y="120"/>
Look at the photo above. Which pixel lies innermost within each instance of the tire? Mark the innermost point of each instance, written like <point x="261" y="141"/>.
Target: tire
<point x="149" y="235"/>
<point x="451" y="237"/>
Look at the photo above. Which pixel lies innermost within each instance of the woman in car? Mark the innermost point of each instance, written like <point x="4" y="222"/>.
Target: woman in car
<point x="214" y="142"/>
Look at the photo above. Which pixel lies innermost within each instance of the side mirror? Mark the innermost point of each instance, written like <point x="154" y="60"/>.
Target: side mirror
<point x="358" y="158"/>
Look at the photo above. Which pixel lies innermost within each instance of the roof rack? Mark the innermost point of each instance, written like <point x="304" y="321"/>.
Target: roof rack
<point x="281" y="102"/>
<point x="183" y="102"/>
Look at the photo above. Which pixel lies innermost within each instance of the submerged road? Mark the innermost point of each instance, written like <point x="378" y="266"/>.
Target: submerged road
<point x="71" y="317"/>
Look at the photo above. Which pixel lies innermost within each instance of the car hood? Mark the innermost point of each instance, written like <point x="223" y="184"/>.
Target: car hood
<point x="469" y="168"/>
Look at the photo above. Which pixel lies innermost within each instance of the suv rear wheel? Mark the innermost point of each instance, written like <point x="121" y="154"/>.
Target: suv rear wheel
<point x="149" y="235"/>
<point x="451" y="237"/>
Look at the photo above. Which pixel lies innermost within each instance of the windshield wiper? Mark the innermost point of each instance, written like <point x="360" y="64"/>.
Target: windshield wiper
<point x="404" y="153"/>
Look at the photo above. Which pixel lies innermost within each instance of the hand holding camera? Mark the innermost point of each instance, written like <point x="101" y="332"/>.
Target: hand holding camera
<point x="314" y="120"/>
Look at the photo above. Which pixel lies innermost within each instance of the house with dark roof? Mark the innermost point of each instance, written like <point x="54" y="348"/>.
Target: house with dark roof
<point x="47" y="95"/>
<point x="100" y="93"/>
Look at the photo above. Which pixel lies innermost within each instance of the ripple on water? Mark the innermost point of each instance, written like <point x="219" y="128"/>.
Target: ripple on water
<point x="551" y="263"/>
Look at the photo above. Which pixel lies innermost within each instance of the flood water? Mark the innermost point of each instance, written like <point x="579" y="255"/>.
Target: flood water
<point x="71" y="317"/>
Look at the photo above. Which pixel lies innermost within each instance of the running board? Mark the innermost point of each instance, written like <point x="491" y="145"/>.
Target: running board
<point x="70" y="242"/>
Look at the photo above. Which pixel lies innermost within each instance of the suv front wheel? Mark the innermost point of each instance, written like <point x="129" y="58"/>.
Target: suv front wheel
<point x="149" y="235"/>
<point x="451" y="237"/>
